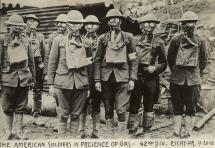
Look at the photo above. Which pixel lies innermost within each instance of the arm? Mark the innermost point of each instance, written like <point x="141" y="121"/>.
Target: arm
<point x="1" y="55"/>
<point x="162" y="62"/>
<point x="42" y="47"/>
<point x="53" y="61"/>
<point x="90" y="66"/>
<point x="31" y="63"/>
<point x="98" y="60"/>
<point x="203" y="57"/>
<point x="132" y="61"/>
<point x="47" y="52"/>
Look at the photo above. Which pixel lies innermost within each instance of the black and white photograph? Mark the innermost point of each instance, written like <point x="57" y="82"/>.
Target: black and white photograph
<point x="140" y="73"/>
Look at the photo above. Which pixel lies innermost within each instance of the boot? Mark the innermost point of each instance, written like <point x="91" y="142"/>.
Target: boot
<point x="148" y="122"/>
<point x="8" y="127"/>
<point x="122" y="129"/>
<point x="62" y="127"/>
<point x="188" y="126"/>
<point x="132" y="123"/>
<point x="20" y="134"/>
<point x="177" y="126"/>
<point x="95" y="133"/>
<point x="74" y="126"/>
<point x="110" y="125"/>
<point x="37" y="120"/>
<point x="82" y="120"/>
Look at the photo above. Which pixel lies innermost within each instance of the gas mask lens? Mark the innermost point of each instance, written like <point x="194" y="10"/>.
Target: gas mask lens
<point x="147" y="24"/>
<point x="89" y="26"/>
<point x="61" y="24"/>
<point x="114" y="20"/>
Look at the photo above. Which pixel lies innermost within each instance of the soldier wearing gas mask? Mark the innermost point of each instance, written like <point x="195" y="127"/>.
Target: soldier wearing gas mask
<point x="187" y="58"/>
<point x="38" y="48"/>
<point x="115" y="70"/>
<point x="68" y="73"/>
<point x="61" y="24"/>
<point x="17" y="73"/>
<point x="151" y="62"/>
<point x="91" y="26"/>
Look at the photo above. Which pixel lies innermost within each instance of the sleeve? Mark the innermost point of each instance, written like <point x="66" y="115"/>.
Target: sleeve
<point x="132" y="58"/>
<point x="31" y="63"/>
<point x="98" y="60"/>
<point x="43" y="49"/>
<point x="47" y="52"/>
<point x="203" y="57"/>
<point x="90" y="66"/>
<point x="53" y="61"/>
<point x="162" y="62"/>
<point x="172" y="53"/>
<point x="1" y="55"/>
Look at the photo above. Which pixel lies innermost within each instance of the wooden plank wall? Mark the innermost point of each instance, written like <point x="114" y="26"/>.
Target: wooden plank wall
<point x="46" y="16"/>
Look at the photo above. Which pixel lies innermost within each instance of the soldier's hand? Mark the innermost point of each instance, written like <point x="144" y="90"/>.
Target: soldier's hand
<point x="45" y="77"/>
<point x="32" y="86"/>
<point x="151" y="69"/>
<point x="51" y="90"/>
<point x="130" y="85"/>
<point x="88" y="93"/>
<point x="98" y="86"/>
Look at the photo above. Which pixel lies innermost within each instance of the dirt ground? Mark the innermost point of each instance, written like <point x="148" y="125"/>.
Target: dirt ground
<point x="163" y="127"/>
<point x="161" y="119"/>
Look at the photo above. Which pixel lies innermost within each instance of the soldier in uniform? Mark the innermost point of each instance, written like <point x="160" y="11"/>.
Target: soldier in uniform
<point x="38" y="48"/>
<point x="91" y="26"/>
<point x="187" y="58"/>
<point x="115" y="70"/>
<point x="61" y="23"/>
<point x="16" y="75"/>
<point x="151" y="62"/>
<point x="68" y="72"/>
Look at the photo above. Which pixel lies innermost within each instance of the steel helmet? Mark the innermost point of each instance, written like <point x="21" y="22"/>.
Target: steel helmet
<point x="148" y="18"/>
<point x="114" y="13"/>
<point x="189" y="16"/>
<point x="15" y="19"/>
<point x="32" y="16"/>
<point x="61" y="18"/>
<point x="92" y="19"/>
<point x="75" y="16"/>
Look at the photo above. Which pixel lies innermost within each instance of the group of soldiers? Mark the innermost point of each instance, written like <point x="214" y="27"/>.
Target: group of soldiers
<point x="115" y="68"/>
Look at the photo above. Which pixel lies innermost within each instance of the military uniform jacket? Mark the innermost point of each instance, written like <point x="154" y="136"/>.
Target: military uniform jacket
<point x="124" y="71"/>
<point x="157" y="58"/>
<point x="23" y="72"/>
<point x="58" y="73"/>
<point x="179" y="75"/>
<point x="39" y="39"/>
<point x="47" y="51"/>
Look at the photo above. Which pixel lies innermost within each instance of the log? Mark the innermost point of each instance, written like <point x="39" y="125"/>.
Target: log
<point x="204" y="119"/>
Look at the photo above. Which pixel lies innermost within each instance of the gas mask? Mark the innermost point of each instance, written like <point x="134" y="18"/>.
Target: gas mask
<point x="61" y="26"/>
<point x="188" y="27"/>
<point x="16" y="33"/>
<point x="91" y="28"/>
<point x="147" y="27"/>
<point x="114" y="23"/>
<point x="32" y="23"/>
<point x="74" y="27"/>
